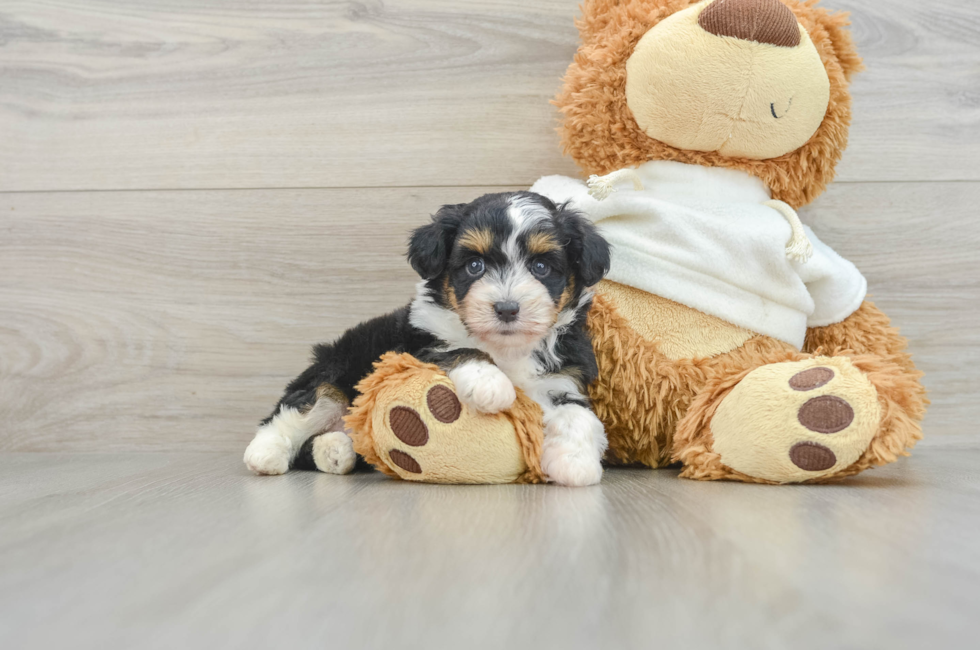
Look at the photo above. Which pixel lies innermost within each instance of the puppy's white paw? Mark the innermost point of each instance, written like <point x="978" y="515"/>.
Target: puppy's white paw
<point x="572" y="467"/>
<point x="483" y="386"/>
<point x="574" y="442"/>
<point x="268" y="454"/>
<point x="334" y="453"/>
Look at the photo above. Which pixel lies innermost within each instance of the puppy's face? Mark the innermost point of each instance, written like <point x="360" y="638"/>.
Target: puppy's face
<point x="508" y="264"/>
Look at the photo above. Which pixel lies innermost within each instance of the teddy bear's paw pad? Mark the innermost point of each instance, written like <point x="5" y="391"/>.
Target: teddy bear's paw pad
<point x="443" y="404"/>
<point x="812" y="456"/>
<point x="798" y="421"/>
<point x="826" y="414"/>
<point x="811" y="379"/>
<point x="405" y="461"/>
<point x="423" y="432"/>
<point x="408" y="426"/>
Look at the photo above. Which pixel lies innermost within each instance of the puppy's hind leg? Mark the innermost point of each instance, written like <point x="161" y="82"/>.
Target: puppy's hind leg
<point x="299" y="418"/>
<point x="331" y="452"/>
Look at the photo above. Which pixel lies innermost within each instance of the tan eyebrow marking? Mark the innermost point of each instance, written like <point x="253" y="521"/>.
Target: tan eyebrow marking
<point x="539" y="243"/>
<point x="479" y="241"/>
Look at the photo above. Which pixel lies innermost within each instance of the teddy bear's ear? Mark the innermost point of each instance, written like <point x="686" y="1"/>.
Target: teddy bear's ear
<point x="834" y="28"/>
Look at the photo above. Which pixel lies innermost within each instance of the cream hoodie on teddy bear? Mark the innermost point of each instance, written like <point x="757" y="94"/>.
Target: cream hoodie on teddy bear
<point x="712" y="239"/>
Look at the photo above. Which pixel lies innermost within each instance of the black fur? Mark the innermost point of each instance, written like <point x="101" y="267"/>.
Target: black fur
<point x="429" y="246"/>
<point x="574" y="352"/>
<point x="449" y="359"/>
<point x="343" y="363"/>
<point x="585" y="246"/>
<point x="560" y="399"/>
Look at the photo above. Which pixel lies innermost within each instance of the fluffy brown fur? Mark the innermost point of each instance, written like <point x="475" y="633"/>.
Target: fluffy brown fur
<point x="657" y="410"/>
<point x="899" y="394"/>
<point x="599" y="132"/>
<point x="392" y="369"/>
<point x="877" y="348"/>
<point x="866" y="331"/>
<point x="641" y="395"/>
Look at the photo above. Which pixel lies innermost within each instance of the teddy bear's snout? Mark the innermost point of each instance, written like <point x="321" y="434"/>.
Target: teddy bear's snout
<point x="762" y="21"/>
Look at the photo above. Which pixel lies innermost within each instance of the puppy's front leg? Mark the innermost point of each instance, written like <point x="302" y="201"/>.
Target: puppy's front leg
<point x="574" y="442"/>
<point x="479" y="383"/>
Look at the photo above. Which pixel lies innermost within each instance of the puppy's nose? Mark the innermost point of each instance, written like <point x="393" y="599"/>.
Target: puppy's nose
<point x="762" y="21"/>
<point x="507" y="311"/>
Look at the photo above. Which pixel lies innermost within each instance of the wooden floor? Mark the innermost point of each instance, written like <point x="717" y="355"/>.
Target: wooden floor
<point x="179" y="550"/>
<point x="192" y="192"/>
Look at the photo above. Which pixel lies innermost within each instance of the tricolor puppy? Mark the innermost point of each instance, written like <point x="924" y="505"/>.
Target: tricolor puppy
<point x="502" y="303"/>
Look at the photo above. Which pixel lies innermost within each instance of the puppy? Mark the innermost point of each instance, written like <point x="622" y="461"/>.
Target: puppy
<point x="503" y="301"/>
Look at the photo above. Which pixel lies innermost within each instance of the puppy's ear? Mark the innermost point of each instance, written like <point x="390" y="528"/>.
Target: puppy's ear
<point x="429" y="246"/>
<point x="589" y="251"/>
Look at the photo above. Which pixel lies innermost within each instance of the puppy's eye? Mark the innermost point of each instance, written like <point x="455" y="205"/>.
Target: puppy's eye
<point x="475" y="267"/>
<point x="540" y="269"/>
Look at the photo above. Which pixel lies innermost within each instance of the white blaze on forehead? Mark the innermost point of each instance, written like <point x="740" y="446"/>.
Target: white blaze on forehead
<point x="524" y="213"/>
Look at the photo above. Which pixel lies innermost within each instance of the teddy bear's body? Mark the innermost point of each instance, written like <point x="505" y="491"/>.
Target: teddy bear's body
<point x="700" y="270"/>
<point x="781" y="372"/>
<point x="658" y="401"/>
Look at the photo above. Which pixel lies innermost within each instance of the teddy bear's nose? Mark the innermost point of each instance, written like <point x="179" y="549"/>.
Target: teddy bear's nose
<point x="762" y="21"/>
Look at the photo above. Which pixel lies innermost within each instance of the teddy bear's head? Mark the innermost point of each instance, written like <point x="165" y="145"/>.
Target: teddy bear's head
<point x="756" y="85"/>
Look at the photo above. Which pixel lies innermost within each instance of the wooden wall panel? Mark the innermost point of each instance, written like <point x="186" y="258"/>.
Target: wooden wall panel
<point x="172" y="320"/>
<point x="158" y="94"/>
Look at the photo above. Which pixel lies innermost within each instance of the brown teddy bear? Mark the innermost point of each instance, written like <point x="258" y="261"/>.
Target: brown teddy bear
<point x="728" y="337"/>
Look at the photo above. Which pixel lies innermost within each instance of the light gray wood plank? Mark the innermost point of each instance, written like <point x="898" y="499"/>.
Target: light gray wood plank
<point x="180" y="93"/>
<point x="155" y="94"/>
<point x="172" y="320"/>
<point x="168" y="320"/>
<point x="916" y="107"/>
<point x="185" y="550"/>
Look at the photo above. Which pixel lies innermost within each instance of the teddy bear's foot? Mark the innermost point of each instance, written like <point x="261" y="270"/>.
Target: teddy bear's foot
<point x="410" y="422"/>
<point x="796" y="421"/>
<point x="437" y="439"/>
